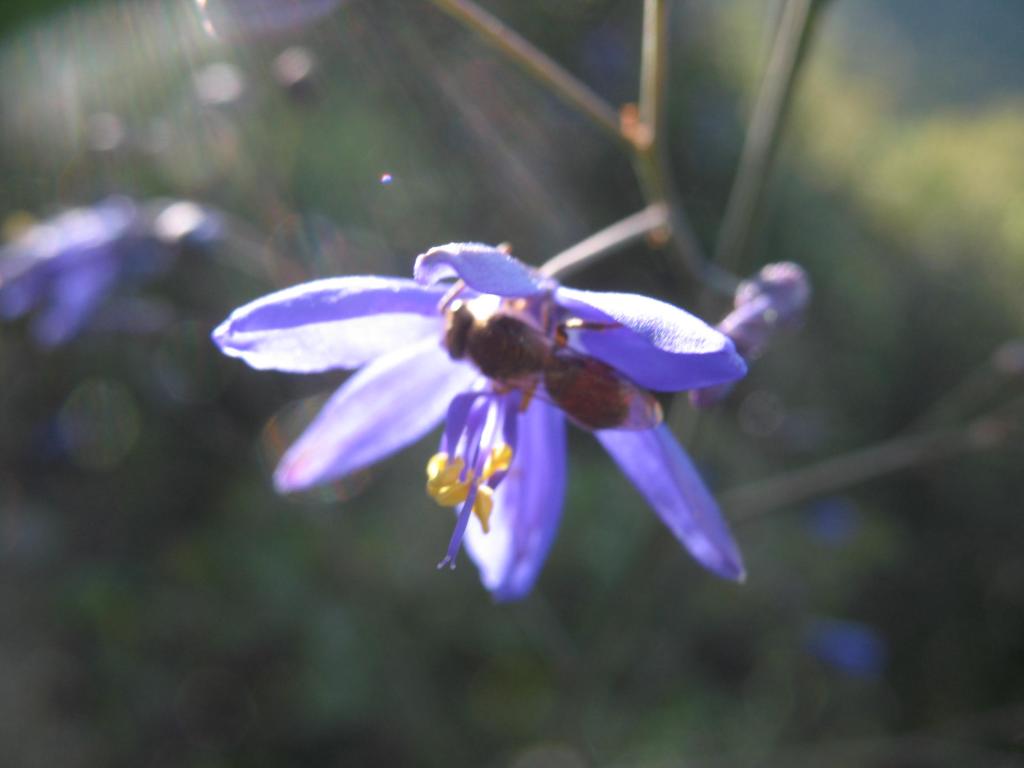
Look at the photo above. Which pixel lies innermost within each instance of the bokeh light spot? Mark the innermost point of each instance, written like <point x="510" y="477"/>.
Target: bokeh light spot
<point x="184" y="220"/>
<point x="219" y="83"/>
<point x="104" y="132"/>
<point x="1009" y="357"/>
<point x="284" y="428"/>
<point x="99" y="423"/>
<point x="293" y="65"/>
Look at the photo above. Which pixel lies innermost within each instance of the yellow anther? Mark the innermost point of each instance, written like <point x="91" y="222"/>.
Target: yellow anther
<point x="483" y="505"/>
<point x="449" y="495"/>
<point x="499" y="460"/>
<point x="440" y="472"/>
<point x="445" y="487"/>
<point x="443" y="483"/>
<point x="436" y="465"/>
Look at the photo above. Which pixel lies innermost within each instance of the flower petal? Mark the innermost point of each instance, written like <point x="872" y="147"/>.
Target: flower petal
<point x="74" y="295"/>
<point x="657" y="345"/>
<point x="339" y="322"/>
<point x="21" y="287"/>
<point x="482" y="267"/>
<point x="527" y="507"/>
<point x="657" y="465"/>
<point x="383" y="407"/>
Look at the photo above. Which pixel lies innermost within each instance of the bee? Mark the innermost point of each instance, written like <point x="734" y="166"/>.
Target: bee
<point x="515" y="353"/>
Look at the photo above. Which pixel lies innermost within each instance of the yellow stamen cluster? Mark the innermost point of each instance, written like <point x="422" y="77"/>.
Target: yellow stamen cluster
<point x="498" y="460"/>
<point x="446" y="488"/>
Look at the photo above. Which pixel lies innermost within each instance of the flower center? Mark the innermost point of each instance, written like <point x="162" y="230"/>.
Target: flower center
<point x="449" y="482"/>
<point x="474" y="457"/>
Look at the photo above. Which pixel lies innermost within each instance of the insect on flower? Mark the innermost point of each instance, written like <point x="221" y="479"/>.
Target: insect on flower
<point x="504" y="357"/>
<point x="516" y="353"/>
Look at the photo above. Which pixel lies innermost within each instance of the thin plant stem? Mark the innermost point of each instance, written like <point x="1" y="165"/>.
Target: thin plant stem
<point x="653" y="68"/>
<point x="641" y="136"/>
<point x="980" y="385"/>
<point x="607" y="241"/>
<point x="535" y="63"/>
<point x="763" y="131"/>
<point x="753" y="500"/>
<point x="650" y="149"/>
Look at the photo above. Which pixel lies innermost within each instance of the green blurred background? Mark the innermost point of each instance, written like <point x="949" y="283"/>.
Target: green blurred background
<point x="161" y="606"/>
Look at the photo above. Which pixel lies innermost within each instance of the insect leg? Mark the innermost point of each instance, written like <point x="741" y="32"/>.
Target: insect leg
<point x="528" y="392"/>
<point x="578" y="324"/>
<point x="450" y="295"/>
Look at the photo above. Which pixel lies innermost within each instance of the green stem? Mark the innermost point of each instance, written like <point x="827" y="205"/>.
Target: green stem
<point x="607" y="241"/>
<point x="758" y="498"/>
<point x="644" y="138"/>
<point x="535" y="63"/>
<point x="653" y="68"/>
<point x="763" y="131"/>
<point x="650" y="157"/>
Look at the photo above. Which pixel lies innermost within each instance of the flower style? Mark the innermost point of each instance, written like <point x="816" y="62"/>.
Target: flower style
<point x="504" y="356"/>
<point x="63" y="268"/>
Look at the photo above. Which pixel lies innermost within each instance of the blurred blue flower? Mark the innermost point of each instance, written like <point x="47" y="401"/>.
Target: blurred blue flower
<point x="834" y="520"/>
<point x="63" y="268"/>
<point x="504" y="357"/>
<point x="851" y="647"/>
<point x="774" y="300"/>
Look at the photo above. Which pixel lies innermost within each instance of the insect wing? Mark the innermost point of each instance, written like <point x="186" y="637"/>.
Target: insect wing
<point x="644" y="410"/>
<point x="596" y="396"/>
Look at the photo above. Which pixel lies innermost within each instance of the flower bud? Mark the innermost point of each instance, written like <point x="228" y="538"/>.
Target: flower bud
<point x="776" y="298"/>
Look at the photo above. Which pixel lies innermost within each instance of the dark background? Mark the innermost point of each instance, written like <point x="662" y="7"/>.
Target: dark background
<point x="161" y="606"/>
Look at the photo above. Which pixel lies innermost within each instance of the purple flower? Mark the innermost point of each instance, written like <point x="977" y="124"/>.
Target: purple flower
<point x="62" y="269"/>
<point x="503" y="356"/>
<point x="774" y="300"/>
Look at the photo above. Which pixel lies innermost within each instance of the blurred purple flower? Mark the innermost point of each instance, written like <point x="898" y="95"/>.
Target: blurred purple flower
<point x="851" y="647"/>
<point x="834" y="520"/>
<point x="776" y="299"/>
<point x="430" y="351"/>
<point x="63" y="268"/>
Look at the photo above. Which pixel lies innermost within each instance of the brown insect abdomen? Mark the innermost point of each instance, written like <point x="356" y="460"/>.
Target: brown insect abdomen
<point x="587" y="390"/>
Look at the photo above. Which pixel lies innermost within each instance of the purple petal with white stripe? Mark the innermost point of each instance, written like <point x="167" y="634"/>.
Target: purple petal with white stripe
<point x="657" y="465"/>
<point x="483" y="268"/>
<point x="385" y="406"/>
<point x="340" y="322"/>
<point x="527" y="507"/>
<point x="657" y="345"/>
